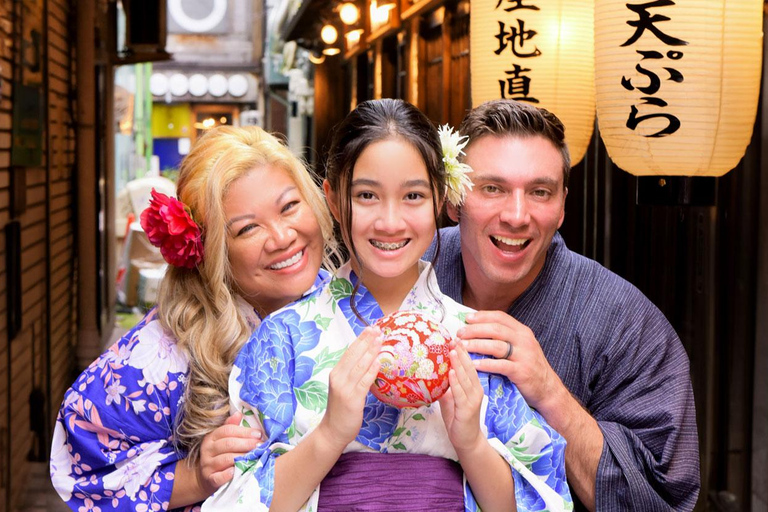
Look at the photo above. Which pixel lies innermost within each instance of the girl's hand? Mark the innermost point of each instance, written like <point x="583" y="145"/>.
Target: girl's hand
<point x="219" y="449"/>
<point x="348" y="385"/>
<point x="460" y="406"/>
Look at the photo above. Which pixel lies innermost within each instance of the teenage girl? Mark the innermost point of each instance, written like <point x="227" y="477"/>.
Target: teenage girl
<point x="306" y="373"/>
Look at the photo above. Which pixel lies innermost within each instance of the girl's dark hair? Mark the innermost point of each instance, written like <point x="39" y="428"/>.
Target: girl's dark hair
<point x="376" y="121"/>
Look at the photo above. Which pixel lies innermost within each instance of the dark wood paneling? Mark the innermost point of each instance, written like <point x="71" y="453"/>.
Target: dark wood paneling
<point x="699" y="266"/>
<point x="431" y="64"/>
<point x="329" y="105"/>
<point x="460" y="100"/>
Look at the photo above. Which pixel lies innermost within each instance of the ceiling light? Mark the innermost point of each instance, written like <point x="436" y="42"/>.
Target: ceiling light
<point x="349" y="13"/>
<point x="353" y="36"/>
<point x="316" y="58"/>
<point x="328" y="34"/>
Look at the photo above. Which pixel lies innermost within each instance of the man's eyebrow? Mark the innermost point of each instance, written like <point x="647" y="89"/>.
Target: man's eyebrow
<point x="544" y="180"/>
<point x="496" y="178"/>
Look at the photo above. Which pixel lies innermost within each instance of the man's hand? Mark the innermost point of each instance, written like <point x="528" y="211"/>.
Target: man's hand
<point x="492" y="333"/>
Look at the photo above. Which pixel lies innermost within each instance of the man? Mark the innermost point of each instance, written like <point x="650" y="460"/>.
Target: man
<point x="586" y="348"/>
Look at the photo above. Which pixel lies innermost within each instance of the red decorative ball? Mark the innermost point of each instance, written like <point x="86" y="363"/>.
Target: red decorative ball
<point x="414" y="360"/>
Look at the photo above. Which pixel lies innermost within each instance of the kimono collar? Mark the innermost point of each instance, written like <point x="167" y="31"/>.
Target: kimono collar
<point x="252" y="317"/>
<point x="424" y="295"/>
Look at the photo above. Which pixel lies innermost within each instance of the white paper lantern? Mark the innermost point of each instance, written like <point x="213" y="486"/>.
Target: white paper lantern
<point x="178" y="84"/>
<point x="198" y="85"/>
<point x="158" y="84"/>
<point x="238" y="85"/>
<point x="540" y="51"/>
<point x="217" y="85"/>
<point x="677" y="83"/>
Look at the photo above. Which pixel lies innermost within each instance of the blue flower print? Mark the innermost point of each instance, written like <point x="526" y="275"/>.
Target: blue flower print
<point x="507" y="410"/>
<point x="379" y="421"/>
<point x="267" y="366"/>
<point x="552" y="463"/>
<point x="365" y="304"/>
<point x="527" y="498"/>
<point x="266" y="476"/>
<point x="304" y="335"/>
<point x="304" y="367"/>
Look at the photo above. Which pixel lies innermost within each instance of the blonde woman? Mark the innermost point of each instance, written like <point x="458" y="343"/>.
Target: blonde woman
<point x="146" y="426"/>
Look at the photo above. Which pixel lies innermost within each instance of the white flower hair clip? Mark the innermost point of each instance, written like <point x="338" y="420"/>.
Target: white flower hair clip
<point x="457" y="181"/>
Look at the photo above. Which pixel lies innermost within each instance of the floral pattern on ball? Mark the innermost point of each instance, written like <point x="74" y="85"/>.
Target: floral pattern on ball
<point x="414" y="360"/>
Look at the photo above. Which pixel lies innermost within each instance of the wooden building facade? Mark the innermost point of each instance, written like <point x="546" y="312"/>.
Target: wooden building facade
<point x="56" y="279"/>
<point x="38" y="216"/>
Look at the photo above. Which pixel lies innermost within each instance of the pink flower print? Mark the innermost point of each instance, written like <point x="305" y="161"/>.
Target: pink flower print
<point x="138" y="406"/>
<point x="89" y="505"/>
<point x="114" y="392"/>
<point x="135" y="472"/>
<point x="61" y="464"/>
<point x="156" y="355"/>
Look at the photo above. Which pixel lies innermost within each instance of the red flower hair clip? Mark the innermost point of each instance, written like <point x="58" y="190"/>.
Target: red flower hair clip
<point x="169" y="226"/>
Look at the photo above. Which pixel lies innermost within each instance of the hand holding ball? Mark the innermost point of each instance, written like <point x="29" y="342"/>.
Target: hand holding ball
<point x="414" y="360"/>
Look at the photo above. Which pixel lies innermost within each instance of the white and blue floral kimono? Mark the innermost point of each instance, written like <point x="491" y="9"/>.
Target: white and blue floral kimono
<point x="280" y="378"/>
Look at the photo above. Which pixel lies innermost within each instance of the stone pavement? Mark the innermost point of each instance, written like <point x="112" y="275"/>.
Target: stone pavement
<point x="39" y="495"/>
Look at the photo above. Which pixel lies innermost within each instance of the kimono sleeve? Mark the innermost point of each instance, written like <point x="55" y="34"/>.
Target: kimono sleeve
<point x="534" y="451"/>
<point x="645" y="410"/>
<point x="261" y="387"/>
<point x="112" y="439"/>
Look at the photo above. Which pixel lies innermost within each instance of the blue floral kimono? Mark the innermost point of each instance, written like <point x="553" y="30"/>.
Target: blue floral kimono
<point x="280" y="379"/>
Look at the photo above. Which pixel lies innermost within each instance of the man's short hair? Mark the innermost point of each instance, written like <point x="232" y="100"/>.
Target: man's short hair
<point x="509" y="117"/>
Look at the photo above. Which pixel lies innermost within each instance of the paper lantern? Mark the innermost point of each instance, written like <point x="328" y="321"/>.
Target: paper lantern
<point x="539" y="51"/>
<point x="677" y="83"/>
<point x="414" y="360"/>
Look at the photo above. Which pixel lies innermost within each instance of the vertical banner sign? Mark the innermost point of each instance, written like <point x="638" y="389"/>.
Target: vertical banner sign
<point x="29" y="102"/>
<point x="541" y="52"/>
<point x="677" y="83"/>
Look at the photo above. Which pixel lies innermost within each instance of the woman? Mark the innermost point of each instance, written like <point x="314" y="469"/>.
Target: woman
<point x="144" y="425"/>
<point x="331" y="445"/>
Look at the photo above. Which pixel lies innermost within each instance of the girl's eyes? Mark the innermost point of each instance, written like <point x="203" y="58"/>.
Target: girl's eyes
<point x="414" y="196"/>
<point x="365" y="196"/>
<point x="541" y="193"/>
<point x="491" y="189"/>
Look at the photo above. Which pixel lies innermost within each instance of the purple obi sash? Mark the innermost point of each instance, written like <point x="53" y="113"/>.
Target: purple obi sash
<point x="368" y="482"/>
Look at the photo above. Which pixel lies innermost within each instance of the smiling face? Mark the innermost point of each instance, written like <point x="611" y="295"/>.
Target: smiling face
<point x="508" y="220"/>
<point x="393" y="219"/>
<point x="275" y="244"/>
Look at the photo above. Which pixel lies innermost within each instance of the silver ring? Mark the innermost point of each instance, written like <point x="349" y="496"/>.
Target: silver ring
<point x="509" y="351"/>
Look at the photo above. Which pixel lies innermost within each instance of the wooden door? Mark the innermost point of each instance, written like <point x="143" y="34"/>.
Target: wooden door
<point x="431" y="85"/>
<point x="459" y="101"/>
<point x="444" y="93"/>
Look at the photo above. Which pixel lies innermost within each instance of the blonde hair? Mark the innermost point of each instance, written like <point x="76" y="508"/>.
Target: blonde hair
<point x="199" y="306"/>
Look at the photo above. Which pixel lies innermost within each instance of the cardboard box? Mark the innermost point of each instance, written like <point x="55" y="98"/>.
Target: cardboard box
<point x="149" y="282"/>
<point x="138" y="254"/>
